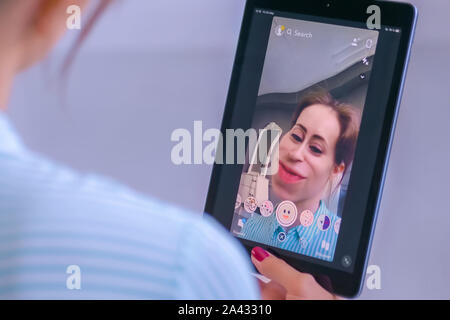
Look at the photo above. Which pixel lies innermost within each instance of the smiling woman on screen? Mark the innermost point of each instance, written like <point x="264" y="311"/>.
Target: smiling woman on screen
<point x="317" y="150"/>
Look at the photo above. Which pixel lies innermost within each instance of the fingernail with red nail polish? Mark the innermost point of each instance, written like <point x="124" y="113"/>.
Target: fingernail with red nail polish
<point x="259" y="253"/>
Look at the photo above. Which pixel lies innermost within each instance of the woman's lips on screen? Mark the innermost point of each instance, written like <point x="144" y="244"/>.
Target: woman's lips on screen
<point x="288" y="175"/>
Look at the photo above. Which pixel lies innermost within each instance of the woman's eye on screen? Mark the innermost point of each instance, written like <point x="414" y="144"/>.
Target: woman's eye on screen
<point x="296" y="137"/>
<point x="316" y="150"/>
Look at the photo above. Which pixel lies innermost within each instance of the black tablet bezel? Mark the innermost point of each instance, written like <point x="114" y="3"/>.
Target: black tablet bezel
<point x="402" y="15"/>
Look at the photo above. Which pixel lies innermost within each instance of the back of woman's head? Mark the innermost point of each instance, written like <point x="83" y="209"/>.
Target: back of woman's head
<point x="29" y="29"/>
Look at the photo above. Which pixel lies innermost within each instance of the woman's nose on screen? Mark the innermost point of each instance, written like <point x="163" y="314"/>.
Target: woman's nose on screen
<point x="298" y="152"/>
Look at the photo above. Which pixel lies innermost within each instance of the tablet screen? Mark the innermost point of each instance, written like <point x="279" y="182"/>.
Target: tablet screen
<point x="312" y="92"/>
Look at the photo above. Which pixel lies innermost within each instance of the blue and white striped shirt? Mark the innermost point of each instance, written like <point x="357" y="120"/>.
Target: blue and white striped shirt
<point x="317" y="240"/>
<point x="125" y="245"/>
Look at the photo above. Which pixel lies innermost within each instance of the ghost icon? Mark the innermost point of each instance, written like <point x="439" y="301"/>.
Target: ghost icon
<point x="279" y="30"/>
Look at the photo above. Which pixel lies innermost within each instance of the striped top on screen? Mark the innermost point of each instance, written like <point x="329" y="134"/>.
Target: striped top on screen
<point x="125" y="245"/>
<point x="318" y="240"/>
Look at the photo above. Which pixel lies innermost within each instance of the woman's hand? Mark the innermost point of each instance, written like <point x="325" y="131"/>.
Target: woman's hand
<point x="286" y="282"/>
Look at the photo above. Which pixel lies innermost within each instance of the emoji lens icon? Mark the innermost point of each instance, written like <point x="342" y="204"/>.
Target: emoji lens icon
<point x="250" y="204"/>
<point x="266" y="208"/>
<point x="337" y="225"/>
<point x="286" y="213"/>
<point x="306" y="218"/>
<point x="323" y="222"/>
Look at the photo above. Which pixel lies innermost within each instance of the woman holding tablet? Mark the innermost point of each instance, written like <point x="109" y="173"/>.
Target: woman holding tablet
<point x="317" y="151"/>
<point x="58" y="225"/>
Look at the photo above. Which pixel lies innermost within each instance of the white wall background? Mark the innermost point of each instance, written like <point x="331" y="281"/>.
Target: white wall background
<point x="153" y="66"/>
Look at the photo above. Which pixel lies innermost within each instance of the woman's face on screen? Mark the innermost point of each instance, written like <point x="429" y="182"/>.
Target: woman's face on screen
<point x="307" y="155"/>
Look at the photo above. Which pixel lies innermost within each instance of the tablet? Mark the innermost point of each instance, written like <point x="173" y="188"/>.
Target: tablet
<point x="307" y="130"/>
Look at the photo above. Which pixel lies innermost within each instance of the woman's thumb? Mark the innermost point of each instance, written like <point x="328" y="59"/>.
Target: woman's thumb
<point x="276" y="269"/>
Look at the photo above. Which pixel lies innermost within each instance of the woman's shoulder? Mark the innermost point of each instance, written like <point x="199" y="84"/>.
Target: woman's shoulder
<point x="40" y="187"/>
<point x="259" y="222"/>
